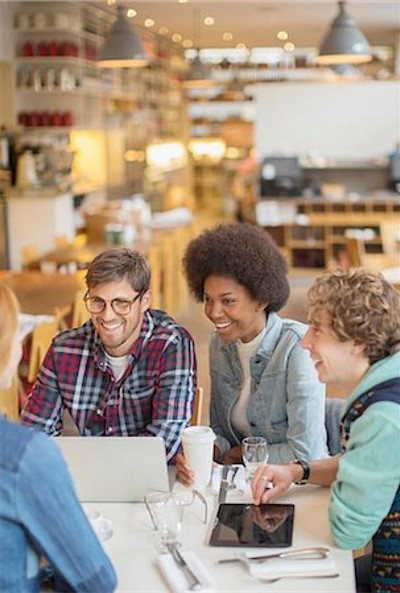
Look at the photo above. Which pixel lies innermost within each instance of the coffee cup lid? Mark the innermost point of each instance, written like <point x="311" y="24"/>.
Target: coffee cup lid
<point x="198" y="434"/>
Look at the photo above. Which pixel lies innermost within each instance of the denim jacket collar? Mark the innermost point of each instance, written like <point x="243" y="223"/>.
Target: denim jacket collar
<point x="268" y="344"/>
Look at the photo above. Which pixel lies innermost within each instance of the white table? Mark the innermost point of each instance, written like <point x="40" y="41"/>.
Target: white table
<point x="133" y="554"/>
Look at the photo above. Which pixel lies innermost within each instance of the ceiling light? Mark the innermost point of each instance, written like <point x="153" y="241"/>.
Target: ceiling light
<point x="289" y="46"/>
<point x="227" y="36"/>
<point x="344" y="44"/>
<point x="199" y="75"/>
<point x="122" y="47"/>
<point x="282" y="35"/>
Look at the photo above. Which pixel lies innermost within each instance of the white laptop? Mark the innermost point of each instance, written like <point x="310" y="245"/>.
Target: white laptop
<point x="115" y="469"/>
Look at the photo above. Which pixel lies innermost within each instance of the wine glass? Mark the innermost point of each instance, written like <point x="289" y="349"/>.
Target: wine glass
<point x="254" y="454"/>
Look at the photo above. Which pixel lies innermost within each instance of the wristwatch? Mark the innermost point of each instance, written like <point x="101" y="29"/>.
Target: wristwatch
<point x="306" y="471"/>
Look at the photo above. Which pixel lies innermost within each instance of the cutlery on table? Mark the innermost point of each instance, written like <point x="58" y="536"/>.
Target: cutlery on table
<point x="306" y="553"/>
<point x="266" y="579"/>
<point x="194" y="582"/>
<point x="232" y="485"/>
<point x="224" y="486"/>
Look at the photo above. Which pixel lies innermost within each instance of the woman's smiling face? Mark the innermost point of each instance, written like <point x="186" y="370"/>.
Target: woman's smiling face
<point x="236" y="315"/>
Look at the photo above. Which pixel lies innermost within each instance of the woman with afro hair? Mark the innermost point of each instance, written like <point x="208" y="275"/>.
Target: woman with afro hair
<point x="262" y="382"/>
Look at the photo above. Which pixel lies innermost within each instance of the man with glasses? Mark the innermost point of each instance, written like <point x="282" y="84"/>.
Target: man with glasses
<point x="129" y="371"/>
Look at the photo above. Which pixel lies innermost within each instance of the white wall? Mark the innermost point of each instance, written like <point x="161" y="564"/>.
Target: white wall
<point x="342" y="120"/>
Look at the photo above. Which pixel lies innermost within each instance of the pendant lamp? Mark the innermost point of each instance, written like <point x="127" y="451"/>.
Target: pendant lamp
<point x="122" y="47"/>
<point x="344" y="44"/>
<point x="199" y="75"/>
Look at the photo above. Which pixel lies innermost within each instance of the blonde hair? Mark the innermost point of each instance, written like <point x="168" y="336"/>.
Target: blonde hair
<point x="362" y="306"/>
<point x="9" y="310"/>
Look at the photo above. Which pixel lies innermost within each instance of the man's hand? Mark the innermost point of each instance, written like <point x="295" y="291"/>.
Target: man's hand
<point x="183" y="472"/>
<point x="272" y="480"/>
<point x="233" y="456"/>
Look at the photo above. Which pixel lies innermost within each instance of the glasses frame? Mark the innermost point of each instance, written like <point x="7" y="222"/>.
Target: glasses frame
<point x="130" y="302"/>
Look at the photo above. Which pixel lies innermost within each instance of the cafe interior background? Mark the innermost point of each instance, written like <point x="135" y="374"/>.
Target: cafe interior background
<point x="227" y="110"/>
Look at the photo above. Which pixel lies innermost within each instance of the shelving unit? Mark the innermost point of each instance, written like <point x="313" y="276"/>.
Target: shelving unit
<point x="318" y="232"/>
<point x="57" y="83"/>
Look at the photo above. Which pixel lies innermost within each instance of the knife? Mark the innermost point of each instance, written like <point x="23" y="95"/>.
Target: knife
<point x="194" y="582"/>
<point x="224" y="487"/>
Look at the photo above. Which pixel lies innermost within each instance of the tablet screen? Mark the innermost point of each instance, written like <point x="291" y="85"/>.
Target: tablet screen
<point x="265" y="526"/>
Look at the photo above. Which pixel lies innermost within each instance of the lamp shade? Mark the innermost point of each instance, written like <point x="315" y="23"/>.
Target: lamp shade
<point x="345" y="43"/>
<point x="199" y="75"/>
<point x="122" y="47"/>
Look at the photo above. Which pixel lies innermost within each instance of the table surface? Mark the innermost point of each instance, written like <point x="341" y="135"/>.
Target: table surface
<point x="133" y="554"/>
<point x="39" y="293"/>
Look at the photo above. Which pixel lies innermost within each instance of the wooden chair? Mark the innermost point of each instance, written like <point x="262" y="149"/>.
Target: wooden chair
<point x="42" y="336"/>
<point x="79" y="312"/>
<point x="155" y="262"/>
<point x="197" y="407"/>
<point x="29" y="254"/>
<point x="9" y="400"/>
<point x="355" y="251"/>
<point x="358" y="256"/>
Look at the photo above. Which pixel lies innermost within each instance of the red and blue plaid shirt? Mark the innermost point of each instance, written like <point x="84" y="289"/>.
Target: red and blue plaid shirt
<point x="154" y="396"/>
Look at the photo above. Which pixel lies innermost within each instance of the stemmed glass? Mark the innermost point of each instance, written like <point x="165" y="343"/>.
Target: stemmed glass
<point x="254" y="454"/>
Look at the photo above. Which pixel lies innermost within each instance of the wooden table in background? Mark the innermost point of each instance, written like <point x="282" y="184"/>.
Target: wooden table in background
<point x="40" y="293"/>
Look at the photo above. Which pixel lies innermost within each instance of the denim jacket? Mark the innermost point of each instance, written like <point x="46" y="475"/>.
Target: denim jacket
<point x="40" y="515"/>
<point x="287" y="401"/>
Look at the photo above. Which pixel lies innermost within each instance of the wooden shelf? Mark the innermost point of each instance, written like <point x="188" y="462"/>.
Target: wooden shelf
<point x="316" y="242"/>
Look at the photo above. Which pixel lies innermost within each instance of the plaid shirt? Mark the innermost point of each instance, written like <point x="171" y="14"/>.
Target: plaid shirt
<point x="154" y="396"/>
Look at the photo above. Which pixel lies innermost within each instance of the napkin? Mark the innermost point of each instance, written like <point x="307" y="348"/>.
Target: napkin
<point x="238" y="494"/>
<point x="175" y="576"/>
<point x="296" y="567"/>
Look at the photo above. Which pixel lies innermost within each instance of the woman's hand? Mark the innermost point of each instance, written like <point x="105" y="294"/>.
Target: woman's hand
<point x="233" y="456"/>
<point x="271" y="481"/>
<point x="183" y="472"/>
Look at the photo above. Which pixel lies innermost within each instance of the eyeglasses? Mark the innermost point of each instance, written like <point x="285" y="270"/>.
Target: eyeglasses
<point x="119" y="306"/>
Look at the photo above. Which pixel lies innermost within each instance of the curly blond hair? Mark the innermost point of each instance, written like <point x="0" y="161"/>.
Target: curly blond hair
<point x="362" y="306"/>
<point x="9" y="323"/>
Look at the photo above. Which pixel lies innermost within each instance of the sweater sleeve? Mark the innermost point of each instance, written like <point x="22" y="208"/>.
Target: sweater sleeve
<point x="47" y="506"/>
<point x="368" y="476"/>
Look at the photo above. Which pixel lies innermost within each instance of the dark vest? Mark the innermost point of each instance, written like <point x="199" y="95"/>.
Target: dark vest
<point x="385" y="576"/>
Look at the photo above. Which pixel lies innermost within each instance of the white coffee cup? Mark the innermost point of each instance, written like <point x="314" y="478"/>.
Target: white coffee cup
<point x="198" y="446"/>
<point x="102" y="527"/>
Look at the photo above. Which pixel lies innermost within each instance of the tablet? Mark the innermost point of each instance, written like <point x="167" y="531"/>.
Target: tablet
<point x="264" y="526"/>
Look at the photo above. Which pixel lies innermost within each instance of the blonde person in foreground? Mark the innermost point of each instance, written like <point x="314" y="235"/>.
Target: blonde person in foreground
<point x="39" y="512"/>
<point x="354" y="341"/>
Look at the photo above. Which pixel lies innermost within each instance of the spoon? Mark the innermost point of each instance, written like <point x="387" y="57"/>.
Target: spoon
<point x="308" y="553"/>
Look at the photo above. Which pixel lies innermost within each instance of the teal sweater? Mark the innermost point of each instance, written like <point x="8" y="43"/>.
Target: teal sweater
<point x="369" y="470"/>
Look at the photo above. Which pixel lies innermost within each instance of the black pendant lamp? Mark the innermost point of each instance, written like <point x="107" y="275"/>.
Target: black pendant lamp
<point x="123" y="47"/>
<point x="344" y="43"/>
